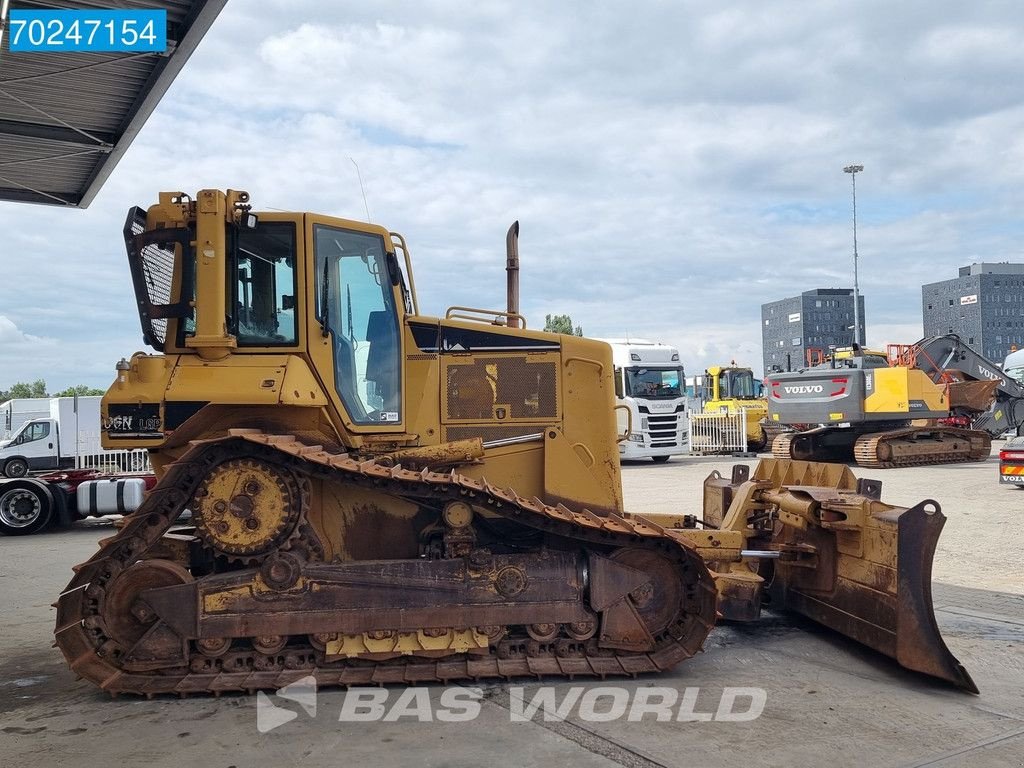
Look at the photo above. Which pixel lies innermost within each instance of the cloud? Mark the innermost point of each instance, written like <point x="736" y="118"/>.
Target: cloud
<point x="13" y="339"/>
<point x="673" y="166"/>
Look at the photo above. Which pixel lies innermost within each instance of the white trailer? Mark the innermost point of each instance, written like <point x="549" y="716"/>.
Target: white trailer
<point x="650" y="382"/>
<point x="69" y="430"/>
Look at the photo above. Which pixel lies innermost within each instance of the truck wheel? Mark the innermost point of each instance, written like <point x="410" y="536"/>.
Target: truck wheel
<point x="24" y="508"/>
<point x="659" y="459"/>
<point x="16" y="468"/>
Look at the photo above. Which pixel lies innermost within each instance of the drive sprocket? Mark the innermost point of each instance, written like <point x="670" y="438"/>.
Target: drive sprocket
<point x="246" y="508"/>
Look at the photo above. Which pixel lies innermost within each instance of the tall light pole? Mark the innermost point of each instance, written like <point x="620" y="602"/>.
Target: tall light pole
<point x="853" y="170"/>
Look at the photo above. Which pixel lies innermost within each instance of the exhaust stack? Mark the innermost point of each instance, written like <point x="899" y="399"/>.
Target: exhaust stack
<point x="512" y="270"/>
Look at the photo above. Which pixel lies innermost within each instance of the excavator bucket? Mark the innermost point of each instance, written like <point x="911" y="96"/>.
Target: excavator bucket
<point x="974" y="396"/>
<point x="855" y="564"/>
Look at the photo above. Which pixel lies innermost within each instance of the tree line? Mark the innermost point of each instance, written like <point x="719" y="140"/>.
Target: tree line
<point x="37" y="388"/>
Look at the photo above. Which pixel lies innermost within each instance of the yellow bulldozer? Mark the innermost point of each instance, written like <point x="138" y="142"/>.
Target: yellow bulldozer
<point x="381" y="496"/>
<point x="732" y="389"/>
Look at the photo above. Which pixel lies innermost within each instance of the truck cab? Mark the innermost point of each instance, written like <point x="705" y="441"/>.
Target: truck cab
<point x="33" y="447"/>
<point x="650" y="384"/>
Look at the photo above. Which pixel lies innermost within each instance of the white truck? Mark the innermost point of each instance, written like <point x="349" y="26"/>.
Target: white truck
<point x="651" y="384"/>
<point x="1013" y="366"/>
<point x="69" y="428"/>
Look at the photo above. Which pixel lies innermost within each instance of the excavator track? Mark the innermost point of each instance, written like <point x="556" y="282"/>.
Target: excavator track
<point x="919" y="446"/>
<point x="782" y="445"/>
<point x="91" y="610"/>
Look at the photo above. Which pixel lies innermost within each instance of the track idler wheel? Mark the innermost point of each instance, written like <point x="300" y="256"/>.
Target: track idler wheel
<point x="132" y="623"/>
<point x="660" y="600"/>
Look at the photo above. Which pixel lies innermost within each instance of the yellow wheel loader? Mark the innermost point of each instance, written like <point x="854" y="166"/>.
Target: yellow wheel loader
<point x="382" y="496"/>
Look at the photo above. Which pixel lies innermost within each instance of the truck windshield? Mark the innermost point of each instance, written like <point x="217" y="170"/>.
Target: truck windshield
<point x="654" y="383"/>
<point x="737" y="385"/>
<point x="1016" y="373"/>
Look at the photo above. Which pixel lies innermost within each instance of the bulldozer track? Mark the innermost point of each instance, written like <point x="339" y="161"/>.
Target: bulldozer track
<point x="91" y="653"/>
<point x="968" y="445"/>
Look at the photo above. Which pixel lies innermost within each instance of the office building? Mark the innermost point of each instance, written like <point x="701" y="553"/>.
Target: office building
<point x="817" y="319"/>
<point x="983" y="305"/>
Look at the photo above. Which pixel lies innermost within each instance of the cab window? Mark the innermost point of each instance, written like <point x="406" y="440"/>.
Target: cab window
<point x="36" y="430"/>
<point x="263" y="286"/>
<point x="356" y="305"/>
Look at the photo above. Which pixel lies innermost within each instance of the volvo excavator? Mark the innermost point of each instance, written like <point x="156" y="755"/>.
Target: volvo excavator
<point x="933" y="402"/>
<point x="381" y="496"/>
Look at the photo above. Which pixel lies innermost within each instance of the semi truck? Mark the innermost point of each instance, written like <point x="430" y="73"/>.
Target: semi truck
<point x="69" y="428"/>
<point x="650" y="384"/>
<point x="31" y="504"/>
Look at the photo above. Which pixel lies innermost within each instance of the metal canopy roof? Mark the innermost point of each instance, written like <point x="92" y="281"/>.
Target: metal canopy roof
<point x="67" y="118"/>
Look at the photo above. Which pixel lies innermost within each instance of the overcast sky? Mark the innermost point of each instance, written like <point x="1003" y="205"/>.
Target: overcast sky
<point x="673" y="164"/>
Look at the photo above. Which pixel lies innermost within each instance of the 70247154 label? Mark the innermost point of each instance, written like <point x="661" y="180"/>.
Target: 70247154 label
<point x="92" y="31"/>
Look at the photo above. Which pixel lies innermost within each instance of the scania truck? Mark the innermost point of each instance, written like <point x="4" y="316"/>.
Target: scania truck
<point x="651" y="384"/>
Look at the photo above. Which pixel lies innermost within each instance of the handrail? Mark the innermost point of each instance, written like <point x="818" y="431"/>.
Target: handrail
<point x="629" y="423"/>
<point x="489" y="316"/>
<point x="399" y="242"/>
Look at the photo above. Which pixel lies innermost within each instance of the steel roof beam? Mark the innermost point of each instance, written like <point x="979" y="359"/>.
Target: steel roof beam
<point x="56" y="133"/>
<point x="22" y="195"/>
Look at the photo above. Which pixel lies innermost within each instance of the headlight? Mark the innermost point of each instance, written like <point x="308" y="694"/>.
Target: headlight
<point x="636" y="437"/>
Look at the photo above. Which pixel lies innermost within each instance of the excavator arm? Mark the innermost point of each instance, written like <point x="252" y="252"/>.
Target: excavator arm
<point x="981" y="382"/>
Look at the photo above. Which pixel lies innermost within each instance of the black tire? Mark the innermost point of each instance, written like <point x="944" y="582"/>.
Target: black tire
<point x="659" y="459"/>
<point x="16" y="468"/>
<point x="26" y="507"/>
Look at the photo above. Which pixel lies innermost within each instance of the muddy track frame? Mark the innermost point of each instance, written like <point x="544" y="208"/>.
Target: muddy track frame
<point x="81" y="636"/>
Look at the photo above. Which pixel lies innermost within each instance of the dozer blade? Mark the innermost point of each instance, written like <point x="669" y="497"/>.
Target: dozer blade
<point x="864" y="569"/>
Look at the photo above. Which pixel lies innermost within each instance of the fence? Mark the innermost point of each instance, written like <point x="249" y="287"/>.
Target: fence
<point x="718" y="432"/>
<point x="116" y="462"/>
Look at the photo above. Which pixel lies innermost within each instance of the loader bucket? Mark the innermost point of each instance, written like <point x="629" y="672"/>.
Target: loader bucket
<point x="881" y="597"/>
<point x="864" y="569"/>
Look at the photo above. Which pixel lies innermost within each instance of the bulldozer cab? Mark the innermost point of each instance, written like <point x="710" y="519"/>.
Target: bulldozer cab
<point x="213" y="279"/>
<point x="732" y="383"/>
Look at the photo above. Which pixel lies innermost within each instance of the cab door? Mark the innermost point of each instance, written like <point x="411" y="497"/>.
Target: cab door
<point x="354" y="333"/>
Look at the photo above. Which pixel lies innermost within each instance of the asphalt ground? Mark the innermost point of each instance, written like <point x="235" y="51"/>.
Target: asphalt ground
<point x="824" y="700"/>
